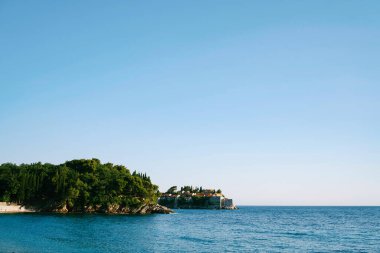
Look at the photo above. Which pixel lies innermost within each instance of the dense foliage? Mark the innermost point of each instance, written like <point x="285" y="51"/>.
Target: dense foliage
<point x="78" y="185"/>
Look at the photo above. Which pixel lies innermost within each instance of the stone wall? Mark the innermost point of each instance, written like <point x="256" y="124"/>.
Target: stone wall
<point x="212" y="202"/>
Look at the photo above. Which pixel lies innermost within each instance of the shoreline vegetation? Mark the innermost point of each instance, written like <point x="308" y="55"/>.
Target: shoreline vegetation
<point x="77" y="186"/>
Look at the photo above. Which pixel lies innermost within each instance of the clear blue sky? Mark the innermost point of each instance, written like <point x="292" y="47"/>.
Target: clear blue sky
<point x="275" y="102"/>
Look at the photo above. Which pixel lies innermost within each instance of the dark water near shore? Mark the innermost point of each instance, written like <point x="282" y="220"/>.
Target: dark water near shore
<point x="250" y="229"/>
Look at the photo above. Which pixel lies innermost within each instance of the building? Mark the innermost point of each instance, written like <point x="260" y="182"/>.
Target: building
<point x="196" y="201"/>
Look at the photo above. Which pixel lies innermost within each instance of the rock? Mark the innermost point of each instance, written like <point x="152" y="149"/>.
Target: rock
<point x="89" y="209"/>
<point x="150" y="209"/>
<point x="112" y="208"/>
<point x="144" y="209"/>
<point x="161" y="209"/>
<point x="62" y="209"/>
<point x="125" y="210"/>
<point x="230" y="207"/>
<point x="115" y="209"/>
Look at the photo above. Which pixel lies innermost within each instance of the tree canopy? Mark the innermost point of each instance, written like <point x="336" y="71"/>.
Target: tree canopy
<point x="189" y="189"/>
<point x="78" y="185"/>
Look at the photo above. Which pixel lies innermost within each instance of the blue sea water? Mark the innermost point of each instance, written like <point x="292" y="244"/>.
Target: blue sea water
<point x="249" y="229"/>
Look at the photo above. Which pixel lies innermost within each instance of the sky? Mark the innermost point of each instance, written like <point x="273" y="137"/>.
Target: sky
<point x="274" y="102"/>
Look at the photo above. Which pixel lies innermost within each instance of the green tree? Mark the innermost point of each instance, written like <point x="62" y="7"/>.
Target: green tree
<point x="172" y="190"/>
<point x="77" y="184"/>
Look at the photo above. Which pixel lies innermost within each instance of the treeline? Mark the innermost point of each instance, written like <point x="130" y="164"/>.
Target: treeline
<point x="190" y="189"/>
<point x="78" y="185"/>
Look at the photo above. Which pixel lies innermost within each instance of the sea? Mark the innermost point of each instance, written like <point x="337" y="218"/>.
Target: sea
<point x="249" y="229"/>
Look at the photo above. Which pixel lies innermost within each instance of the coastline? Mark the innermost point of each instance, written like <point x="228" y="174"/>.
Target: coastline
<point x="14" y="208"/>
<point x="144" y="209"/>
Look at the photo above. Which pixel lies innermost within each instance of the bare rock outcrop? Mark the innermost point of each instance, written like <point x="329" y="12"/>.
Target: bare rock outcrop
<point x="150" y="209"/>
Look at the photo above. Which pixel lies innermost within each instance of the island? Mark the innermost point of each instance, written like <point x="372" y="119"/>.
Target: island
<point x="77" y="186"/>
<point x="188" y="197"/>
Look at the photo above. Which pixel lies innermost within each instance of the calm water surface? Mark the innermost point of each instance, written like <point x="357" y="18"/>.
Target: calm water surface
<point x="250" y="229"/>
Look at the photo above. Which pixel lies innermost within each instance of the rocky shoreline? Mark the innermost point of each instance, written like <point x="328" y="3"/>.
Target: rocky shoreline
<point x="116" y="209"/>
<point x="230" y="207"/>
<point x="112" y="209"/>
<point x="14" y="208"/>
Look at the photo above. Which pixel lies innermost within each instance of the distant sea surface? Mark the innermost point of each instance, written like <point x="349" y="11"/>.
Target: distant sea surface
<point x="249" y="229"/>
